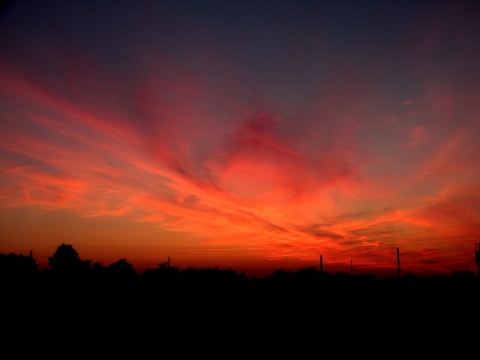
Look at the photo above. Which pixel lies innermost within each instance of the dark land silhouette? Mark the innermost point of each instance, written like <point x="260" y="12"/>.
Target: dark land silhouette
<point x="69" y="274"/>
<point x="75" y="294"/>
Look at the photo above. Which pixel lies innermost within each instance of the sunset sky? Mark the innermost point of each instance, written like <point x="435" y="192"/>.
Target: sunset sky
<point x="245" y="135"/>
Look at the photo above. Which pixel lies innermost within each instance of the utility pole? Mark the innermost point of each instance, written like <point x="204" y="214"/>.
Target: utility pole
<point x="399" y="275"/>
<point x="351" y="267"/>
<point x="321" y="264"/>
<point x="477" y="258"/>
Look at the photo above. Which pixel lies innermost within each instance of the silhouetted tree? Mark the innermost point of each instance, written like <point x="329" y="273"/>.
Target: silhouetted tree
<point x="98" y="268"/>
<point x="17" y="266"/>
<point x="66" y="260"/>
<point x="122" y="281"/>
<point x="122" y="269"/>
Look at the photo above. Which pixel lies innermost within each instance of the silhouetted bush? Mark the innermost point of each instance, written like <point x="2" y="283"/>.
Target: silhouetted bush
<point x="17" y="266"/>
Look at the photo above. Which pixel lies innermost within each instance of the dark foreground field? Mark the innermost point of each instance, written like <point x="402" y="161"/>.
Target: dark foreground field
<point x="215" y="313"/>
<point x="210" y="295"/>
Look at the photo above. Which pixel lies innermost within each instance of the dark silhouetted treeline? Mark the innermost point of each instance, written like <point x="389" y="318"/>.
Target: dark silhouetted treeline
<point x="78" y="296"/>
<point x="68" y="273"/>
